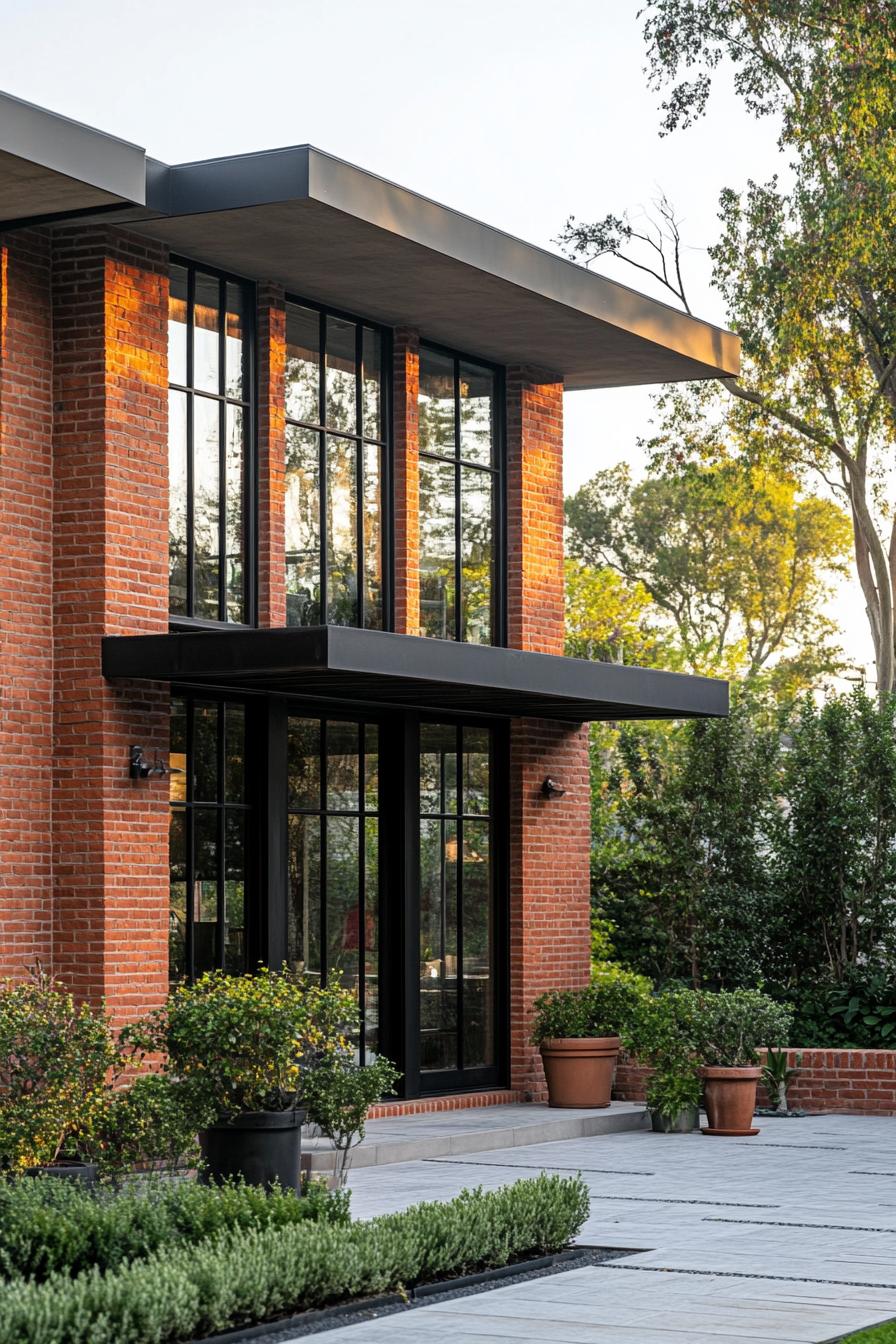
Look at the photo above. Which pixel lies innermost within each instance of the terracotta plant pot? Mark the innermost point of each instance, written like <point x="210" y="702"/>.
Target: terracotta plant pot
<point x="579" y="1071"/>
<point x="730" y="1100"/>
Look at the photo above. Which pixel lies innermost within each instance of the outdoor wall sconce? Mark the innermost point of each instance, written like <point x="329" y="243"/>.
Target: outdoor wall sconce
<point x="141" y="768"/>
<point x="551" y="789"/>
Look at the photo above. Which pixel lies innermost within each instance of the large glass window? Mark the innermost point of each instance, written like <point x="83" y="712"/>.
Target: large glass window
<point x="459" y="494"/>
<point x="209" y="428"/>
<point x="207" y="847"/>
<point x="334" y="859"/>
<point x="335" y="443"/>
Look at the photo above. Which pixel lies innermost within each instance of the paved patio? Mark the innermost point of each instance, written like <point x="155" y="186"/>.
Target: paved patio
<point x="790" y="1236"/>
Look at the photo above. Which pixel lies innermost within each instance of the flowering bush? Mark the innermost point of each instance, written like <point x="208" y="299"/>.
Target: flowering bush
<point x="56" y="1060"/>
<point x="245" y="1043"/>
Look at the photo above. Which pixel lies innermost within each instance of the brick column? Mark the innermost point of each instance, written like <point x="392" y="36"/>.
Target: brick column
<point x="549" y="838"/>
<point x="26" y="597"/>
<point x="110" y="577"/>
<point x="406" y="481"/>
<point x="271" y="456"/>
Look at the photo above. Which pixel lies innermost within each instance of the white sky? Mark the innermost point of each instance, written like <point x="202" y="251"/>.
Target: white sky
<point x="515" y="111"/>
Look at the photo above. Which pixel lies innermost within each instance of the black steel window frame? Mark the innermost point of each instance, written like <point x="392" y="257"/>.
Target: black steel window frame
<point x="254" y="923"/>
<point x="324" y="717"/>
<point x="384" y="444"/>
<point x="498" y="472"/>
<point x="250" y="472"/>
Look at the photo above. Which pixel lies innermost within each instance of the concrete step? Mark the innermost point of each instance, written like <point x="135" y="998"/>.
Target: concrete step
<point x="411" y="1138"/>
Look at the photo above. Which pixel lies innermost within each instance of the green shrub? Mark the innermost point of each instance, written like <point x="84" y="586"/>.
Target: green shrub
<point x="49" y="1226"/>
<point x="252" y="1275"/>
<point x="663" y="1035"/>
<point x="338" y="1094"/>
<point x="733" y="1026"/>
<point x="603" y="1008"/>
<point x="149" y="1123"/>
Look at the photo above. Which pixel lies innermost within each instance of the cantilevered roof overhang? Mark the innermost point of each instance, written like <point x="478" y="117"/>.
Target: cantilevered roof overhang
<point x="53" y="167"/>
<point x="341" y="664"/>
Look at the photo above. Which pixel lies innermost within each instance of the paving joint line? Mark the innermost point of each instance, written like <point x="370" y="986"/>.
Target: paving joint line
<point x="821" y="1227"/>
<point x="537" y="1166"/>
<point x="742" y="1274"/>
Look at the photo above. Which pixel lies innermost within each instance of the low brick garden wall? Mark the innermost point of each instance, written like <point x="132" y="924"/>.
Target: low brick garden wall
<point x="856" y="1082"/>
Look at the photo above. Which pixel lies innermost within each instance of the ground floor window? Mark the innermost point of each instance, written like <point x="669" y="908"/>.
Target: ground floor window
<point x="367" y="849"/>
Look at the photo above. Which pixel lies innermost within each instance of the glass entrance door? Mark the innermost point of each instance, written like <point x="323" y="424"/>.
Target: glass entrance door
<point x="457" y="1000"/>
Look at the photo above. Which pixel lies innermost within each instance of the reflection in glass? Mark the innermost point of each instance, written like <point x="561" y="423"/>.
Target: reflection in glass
<point x="234" y="891"/>
<point x="372" y="399"/>
<point x="343" y="911"/>
<point x="342" y="532"/>
<point x="477" y="555"/>
<point x="371" y="766"/>
<point x="303" y="762"/>
<point x="177" y="326"/>
<point x="235" y="753"/>
<point x="476" y="770"/>
<point x="436" y="407"/>
<point x="234" y="329"/>
<point x="477" y="960"/>
<point x="343" y="765"/>
<point x="303" y="917"/>
<point x="206" y="329"/>
<point x="437" y="549"/>
<point x="235" y="458"/>
<point x="371" y="934"/>
<point x="205" y="751"/>
<point x="205" y="889"/>
<point x="302" y="526"/>
<point x="177" y="905"/>
<point x="476" y="392"/>
<point x="438" y="944"/>
<point x="373" y="563"/>
<point x="206" y="501"/>
<point x="341" y="381"/>
<point x="177" y="502"/>
<point x="302" y="364"/>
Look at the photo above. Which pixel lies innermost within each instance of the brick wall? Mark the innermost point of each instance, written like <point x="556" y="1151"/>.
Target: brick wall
<point x="860" y="1082"/>
<point x="26" y="628"/>
<point x="271" y="456"/>
<point x="406" y="481"/>
<point x="110" y="482"/>
<point x="550" y="838"/>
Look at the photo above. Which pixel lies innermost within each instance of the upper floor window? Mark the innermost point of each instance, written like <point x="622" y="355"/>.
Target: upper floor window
<point x="459" y="498"/>
<point x="335" y="446"/>
<point x="209" y="428"/>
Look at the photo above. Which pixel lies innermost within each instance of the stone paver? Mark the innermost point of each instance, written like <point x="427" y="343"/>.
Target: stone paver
<point x="790" y="1236"/>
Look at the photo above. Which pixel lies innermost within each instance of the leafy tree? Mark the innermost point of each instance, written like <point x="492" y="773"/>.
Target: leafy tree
<point x="732" y="556"/>
<point x="806" y="265"/>
<point x="612" y="621"/>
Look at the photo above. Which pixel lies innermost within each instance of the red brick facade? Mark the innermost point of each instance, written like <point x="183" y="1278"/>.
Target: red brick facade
<point x="406" y="479"/>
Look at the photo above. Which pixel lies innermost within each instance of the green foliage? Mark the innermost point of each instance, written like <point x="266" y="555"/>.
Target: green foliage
<point x="246" y="1043"/>
<point x="603" y="1008"/>
<point x="246" y="1276"/>
<point x="733" y="1026"/>
<point x="664" y="1036"/>
<point x="151" y="1122"/>
<point x="55" y="1059"/>
<point x="609" y="619"/>
<point x="777" y="1076"/>
<point x="338" y="1093"/>
<point x="53" y="1227"/>
<point x="857" y="1013"/>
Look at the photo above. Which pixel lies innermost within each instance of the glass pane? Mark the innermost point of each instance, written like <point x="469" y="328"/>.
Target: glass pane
<point x="234" y="892"/>
<point x="371" y="766"/>
<point x="476" y="770"/>
<point x="437" y="549"/>
<point x="438" y="945"/>
<point x="373" y="565"/>
<point x="476" y="399"/>
<point x="477" y="950"/>
<point x="343" y="907"/>
<point x="234" y="342"/>
<point x="343" y="786"/>
<point x="303" y="911"/>
<point x="436" y="403"/>
<point x="303" y="762"/>
<point x="371" y="938"/>
<point x="177" y="502"/>
<point x="302" y="506"/>
<point x="177" y="911"/>
<point x="477" y="556"/>
<point x="342" y="388"/>
<point x="206" y="506"/>
<point x="177" y="751"/>
<point x="206" y="329"/>
<point x="205" y="752"/>
<point x="372" y="352"/>
<point x="177" y="326"/>
<point x="234" y="753"/>
<point x="438" y="768"/>
<point x="205" y="888"/>
<point x="302" y="364"/>
<point x="234" y="519"/>
<point x="342" y="532"/>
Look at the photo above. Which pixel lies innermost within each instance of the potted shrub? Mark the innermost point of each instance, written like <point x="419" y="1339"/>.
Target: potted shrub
<point x="338" y="1094"/>
<point x="578" y="1032"/>
<point x="731" y="1029"/>
<point x="663" y="1036"/>
<point x="56" y="1062"/>
<point x="240" y="1047"/>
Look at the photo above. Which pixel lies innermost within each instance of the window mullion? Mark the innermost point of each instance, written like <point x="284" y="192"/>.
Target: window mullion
<point x="324" y="488"/>
<point x="359" y="476"/>
<point x="191" y="513"/>
<point x="458" y="534"/>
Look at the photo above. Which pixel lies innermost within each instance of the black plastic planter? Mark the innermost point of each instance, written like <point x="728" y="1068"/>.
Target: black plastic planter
<point x="262" y="1147"/>
<point x="85" y="1172"/>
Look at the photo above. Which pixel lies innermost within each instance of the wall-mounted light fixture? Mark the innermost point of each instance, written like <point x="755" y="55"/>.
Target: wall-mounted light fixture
<point x="142" y="768"/>
<point x="551" y="789"/>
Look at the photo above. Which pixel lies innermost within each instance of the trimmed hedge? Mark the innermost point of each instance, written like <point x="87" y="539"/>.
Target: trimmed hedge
<point x="50" y="1226"/>
<point x="242" y="1277"/>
